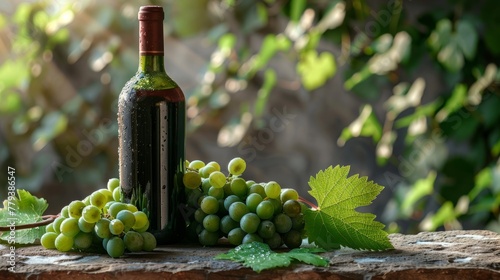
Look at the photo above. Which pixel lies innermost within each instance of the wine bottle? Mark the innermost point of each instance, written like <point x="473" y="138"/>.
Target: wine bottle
<point x="151" y="132"/>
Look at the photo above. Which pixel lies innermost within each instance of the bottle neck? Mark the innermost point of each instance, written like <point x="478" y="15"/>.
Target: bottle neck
<point x="151" y="39"/>
<point x="151" y="63"/>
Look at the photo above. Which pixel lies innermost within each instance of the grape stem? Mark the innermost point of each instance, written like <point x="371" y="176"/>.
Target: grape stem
<point x="312" y="205"/>
<point x="47" y="219"/>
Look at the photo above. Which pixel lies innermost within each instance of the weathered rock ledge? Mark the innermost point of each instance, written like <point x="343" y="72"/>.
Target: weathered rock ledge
<point x="438" y="255"/>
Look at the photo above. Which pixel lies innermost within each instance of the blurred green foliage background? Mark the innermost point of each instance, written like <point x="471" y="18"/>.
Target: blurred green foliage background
<point x="424" y="77"/>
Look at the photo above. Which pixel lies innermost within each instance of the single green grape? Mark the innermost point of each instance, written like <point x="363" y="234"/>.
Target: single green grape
<point x="141" y="219"/>
<point x="237" y="210"/>
<point x="91" y="214"/>
<point x="48" y="240"/>
<point x="251" y="237"/>
<point x="69" y="227"/>
<point x="292" y="239"/>
<point x="144" y="228"/>
<point x="63" y="243"/>
<point x="265" y="210"/>
<point x="227" y="224"/>
<point x="206" y="170"/>
<point x="273" y="190"/>
<point x="211" y="223"/>
<point x="117" y="194"/>
<point x="209" y="205"/>
<point x="237" y="166"/>
<point x="258" y="189"/>
<point x="217" y="179"/>
<point x="75" y="208"/>
<point x="288" y="194"/>
<point x="108" y="194"/>
<point x="149" y="241"/>
<point x="199" y="215"/>
<point x="266" y="229"/>
<point x="208" y="238"/>
<point x="235" y="236"/>
<point x="230" y="200"/>
<point x="127" y="218"/>
<point x="196" y="164"/>
<point x="57" y="224"/>
<point x="283" y="223"/>
<point x="292" y="208"/>
<point x="134" y="242"/>
<point x="82" y="241"/>
<point x="116" y="227"/>
<point x="298" y="222"/>
<point x="65" y="212"/>
<point x="275" y="241"/>
<point x="250" y="183"/>
<point x="215" y="164"/>
<point x="50" y="227"/>
<point x="115" y="247"/>
<point x="98" y="199"/>
<point x="131" y="207"/>
<point x="191" y="180"/>
<point x="218" y="193"/>
<point x="101" y="228"/>
<point x="113" y="183"/>
<point x="249" y="223"/>
<point x="205" y="185"/>
<point x="85" y="226"/>
<point x="239" y="187"/>
<point x="278" y="207"/>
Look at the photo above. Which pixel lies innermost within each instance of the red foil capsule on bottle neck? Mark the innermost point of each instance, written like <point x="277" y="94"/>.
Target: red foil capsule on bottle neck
<point x="151" y="30"/>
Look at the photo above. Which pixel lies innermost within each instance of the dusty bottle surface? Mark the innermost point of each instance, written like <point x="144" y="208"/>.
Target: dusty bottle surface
<point x="151" y="120"/>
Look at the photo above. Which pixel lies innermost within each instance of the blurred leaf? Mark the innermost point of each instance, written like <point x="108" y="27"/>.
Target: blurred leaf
<point x="190" y="17"/>
<point x="14" y="74"/>
<point x="455" y="102"/>
<point x="297" y="9"/>
<point x="399" y="101"/>
<point x="441" y="35"/>
<point x="385" y="146"/>
<point x="315" y="70"/>
<point x="52" y="124"/>
<point x="476" y="89"/>
<point x="382" y="43"/>
<point x="421" y="188"/>
<point x="254" y="15"/>
<point x="466" y="38"/>
<point x="263" y="94"/>
<point x="426" y="110"/>
<point x="445" y="214"/>
<point x="483" y="180"/>
<point x="11" y="102"/>
<point x="365" y="125"/>
<point x="451" y="56"/>
<point x="232" y="133"/>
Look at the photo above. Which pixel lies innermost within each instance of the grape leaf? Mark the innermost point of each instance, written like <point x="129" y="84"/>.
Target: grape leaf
<point x="336" y="222"/>
<point x="23" y="209"/>
<point x="258" y="256"/>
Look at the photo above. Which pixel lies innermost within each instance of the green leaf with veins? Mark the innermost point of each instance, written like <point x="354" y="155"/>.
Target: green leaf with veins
<point x="23" y="209"/>
<point x="336" y="222"/>
<point x="258" y="256"/>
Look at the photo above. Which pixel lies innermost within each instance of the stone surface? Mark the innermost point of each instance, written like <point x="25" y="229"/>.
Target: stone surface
<point x="440" y="255"/>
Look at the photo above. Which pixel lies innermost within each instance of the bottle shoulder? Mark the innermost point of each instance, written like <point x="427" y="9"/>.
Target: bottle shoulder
<point x="147" y="85"/>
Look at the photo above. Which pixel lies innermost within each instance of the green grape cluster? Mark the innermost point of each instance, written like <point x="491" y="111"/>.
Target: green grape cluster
<point x="100" y="220"/>
<point x="241" y="210"/>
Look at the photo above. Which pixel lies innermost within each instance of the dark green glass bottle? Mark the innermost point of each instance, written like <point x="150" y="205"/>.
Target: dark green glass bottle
<point x="151" y="125"/>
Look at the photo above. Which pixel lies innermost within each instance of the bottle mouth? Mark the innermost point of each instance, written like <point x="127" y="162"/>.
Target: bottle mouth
<point x="151" y="12"/>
